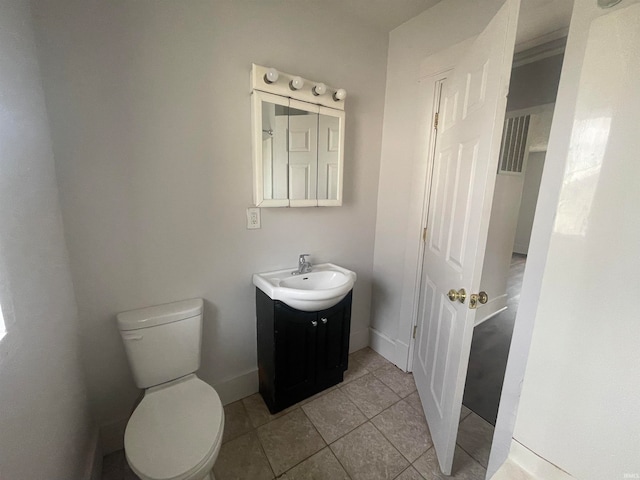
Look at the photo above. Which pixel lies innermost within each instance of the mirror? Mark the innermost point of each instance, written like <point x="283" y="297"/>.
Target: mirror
<point x="298" y="152"/>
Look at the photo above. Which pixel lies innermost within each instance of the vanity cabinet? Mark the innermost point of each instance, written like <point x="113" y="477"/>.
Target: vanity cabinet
<point x="300" y="353"/>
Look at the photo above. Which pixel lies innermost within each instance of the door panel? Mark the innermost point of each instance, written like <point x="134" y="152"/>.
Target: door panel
<point x="333" y="342"/>
<point x="295" y="348"/>
<point x="465" y="160"/>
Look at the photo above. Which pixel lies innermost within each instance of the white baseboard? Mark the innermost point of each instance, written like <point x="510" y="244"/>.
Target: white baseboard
<point x="490" y="309"/>
<point x="93" y="470"/>
<point x="521" y="248"/>
<point x="358" y="340"/>
<point x="382" y="344"/>
<point x="237" y="387"/>
<point x="523" y="464"/>
<point x="112" y="436"/>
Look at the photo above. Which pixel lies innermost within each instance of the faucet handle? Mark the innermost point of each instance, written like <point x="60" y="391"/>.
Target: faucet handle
<point x="301" y="258"/>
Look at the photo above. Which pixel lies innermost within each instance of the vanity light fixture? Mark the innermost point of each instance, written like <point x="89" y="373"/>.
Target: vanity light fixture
<point x="319" y="89"/>
<point x="296" y="83"/>
<point x="340" y="94"/>
<point x="271" y="76"/>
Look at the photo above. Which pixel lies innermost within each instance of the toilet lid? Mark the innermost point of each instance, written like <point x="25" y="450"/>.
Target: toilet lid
<point x="174" y="429"/>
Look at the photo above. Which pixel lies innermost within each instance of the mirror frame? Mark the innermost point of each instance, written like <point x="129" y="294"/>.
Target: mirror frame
<point x="257" y="97"/>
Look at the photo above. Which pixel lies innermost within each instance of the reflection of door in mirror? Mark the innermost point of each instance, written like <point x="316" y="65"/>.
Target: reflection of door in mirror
<point x="328" y="157"/>
<point x="274" y="153"/>
<point x="303" y="154"/>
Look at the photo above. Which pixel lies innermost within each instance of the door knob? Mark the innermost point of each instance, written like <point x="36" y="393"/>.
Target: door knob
<point x="460" y="295"/>
<point x="478" y="298"/>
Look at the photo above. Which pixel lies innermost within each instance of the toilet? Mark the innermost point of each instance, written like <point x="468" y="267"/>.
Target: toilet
<point x="175" y="432"/>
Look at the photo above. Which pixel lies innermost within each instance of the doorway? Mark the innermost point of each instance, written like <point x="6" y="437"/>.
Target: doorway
<point x="522" y="157"/>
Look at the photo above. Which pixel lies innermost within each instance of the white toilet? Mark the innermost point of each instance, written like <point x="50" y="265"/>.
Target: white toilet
<point x="175" y="432"/>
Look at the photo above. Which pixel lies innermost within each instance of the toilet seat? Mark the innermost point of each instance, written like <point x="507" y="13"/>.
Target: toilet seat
<point x="175" y="430"/>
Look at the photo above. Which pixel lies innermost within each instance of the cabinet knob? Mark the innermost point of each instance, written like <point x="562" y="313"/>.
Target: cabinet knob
<point x="314" y="323"/>
<point x="324" y="320"/>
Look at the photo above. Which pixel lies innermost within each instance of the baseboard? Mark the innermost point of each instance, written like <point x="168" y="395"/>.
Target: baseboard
<point x="93" y="469"/>
<point x="382" y="344"/>
<point x="521" y="249"/>
<point x="490" y="309"/>
<point x="358" y="340"/>
<point x="236" y="388"/>
<point x="523" y="464"/>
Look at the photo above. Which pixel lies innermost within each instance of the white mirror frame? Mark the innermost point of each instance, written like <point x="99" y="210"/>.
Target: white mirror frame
<point x="258" y="162"/>
<point x="257" y="97"/>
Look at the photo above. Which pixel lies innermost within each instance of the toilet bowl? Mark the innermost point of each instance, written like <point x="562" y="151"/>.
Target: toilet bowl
<point x="175" y="432"/>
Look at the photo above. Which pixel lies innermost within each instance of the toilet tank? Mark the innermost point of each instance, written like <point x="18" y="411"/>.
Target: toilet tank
<point x="162" y="342"/>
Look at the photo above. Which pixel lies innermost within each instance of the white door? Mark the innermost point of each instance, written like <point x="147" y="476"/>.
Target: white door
<point x="465" y="160"/>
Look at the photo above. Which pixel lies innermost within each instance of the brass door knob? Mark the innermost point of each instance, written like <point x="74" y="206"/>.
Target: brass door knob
<point x="483" y="297"/>
<point x="459" y="295"/>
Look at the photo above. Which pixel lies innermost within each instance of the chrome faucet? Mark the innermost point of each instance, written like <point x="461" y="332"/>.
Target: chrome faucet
<point x="303" y="265"/>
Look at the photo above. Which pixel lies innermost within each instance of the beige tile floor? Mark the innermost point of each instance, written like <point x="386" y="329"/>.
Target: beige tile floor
<point x="369" y="427"/>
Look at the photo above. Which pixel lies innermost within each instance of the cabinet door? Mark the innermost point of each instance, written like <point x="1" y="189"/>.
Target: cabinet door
<point x="333" y="342"/>
<point x="296" y="336"/>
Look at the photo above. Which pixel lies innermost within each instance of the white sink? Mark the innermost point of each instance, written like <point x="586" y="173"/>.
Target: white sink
<point x="324" y="286"/>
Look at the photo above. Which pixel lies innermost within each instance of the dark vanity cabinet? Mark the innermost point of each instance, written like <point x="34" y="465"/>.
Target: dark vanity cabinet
<point x="300" y="353"/>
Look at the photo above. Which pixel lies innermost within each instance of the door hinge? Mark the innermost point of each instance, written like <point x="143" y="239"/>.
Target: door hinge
<point x="424" y="234"/>
<point x="415" y="328"/>
<point x="435" y="120"/>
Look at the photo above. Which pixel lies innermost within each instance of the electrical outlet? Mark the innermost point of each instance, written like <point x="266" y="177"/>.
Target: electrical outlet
<point x="253" y="218"/>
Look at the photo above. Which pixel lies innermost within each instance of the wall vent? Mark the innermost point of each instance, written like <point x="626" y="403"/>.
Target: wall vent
<point x="514" y="145"/>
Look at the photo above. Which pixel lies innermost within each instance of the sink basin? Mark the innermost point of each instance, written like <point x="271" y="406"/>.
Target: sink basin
<point x="321" y="288"/>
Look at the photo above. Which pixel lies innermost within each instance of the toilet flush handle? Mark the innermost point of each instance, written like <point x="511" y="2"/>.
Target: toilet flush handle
<point x="132" y="337"/>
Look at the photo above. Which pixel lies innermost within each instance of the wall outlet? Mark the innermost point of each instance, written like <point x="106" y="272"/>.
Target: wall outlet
<point x="253" y="218"/>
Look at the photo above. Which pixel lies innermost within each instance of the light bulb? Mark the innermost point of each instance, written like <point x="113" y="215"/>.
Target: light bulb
<point x="319" y="89"/>
<point x="271" y="76"/>
<point x="296" y="83"/>
<point x="340" y="94"/>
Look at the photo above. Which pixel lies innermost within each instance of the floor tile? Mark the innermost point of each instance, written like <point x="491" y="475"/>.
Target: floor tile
<point x="410" y="474"/>
<point x="475" y="436"/>
<point x="464" y="412"/>
<point x="370" y="395"/>
<point x="321" y="466"/>
<point x="236" y="421"/>
<point x="414" y="401"/>
<point x="289" y="440"/>
<point x="367" y="455"/>
<point x="369" y="359"/>
<point x="334" y="415"/>
<point x="355" y="371"/>
<point x="464" y="467"/>
<point x="400" y="382"/>
<point x="405" y="428"/>
<point x="242" y="458"/>
<point x="257" y="410"/>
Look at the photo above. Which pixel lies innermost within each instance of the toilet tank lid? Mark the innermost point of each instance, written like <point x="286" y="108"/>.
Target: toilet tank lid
<point x="159" y="315"/>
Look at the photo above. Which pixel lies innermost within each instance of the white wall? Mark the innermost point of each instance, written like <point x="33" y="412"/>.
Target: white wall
<point x="578" y="408"/>
<point x="150" y="110"/>
<point x="530" y="189"/>
<point x="45" y="429"/>
<point x="403" y="164"/>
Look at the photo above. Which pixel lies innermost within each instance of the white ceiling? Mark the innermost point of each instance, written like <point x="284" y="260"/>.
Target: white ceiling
<point x="537" y="17"/>
<point x="384" y="15"/>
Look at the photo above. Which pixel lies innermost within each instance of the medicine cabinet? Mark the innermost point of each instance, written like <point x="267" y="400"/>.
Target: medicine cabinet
<point x="298" y="151"/>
